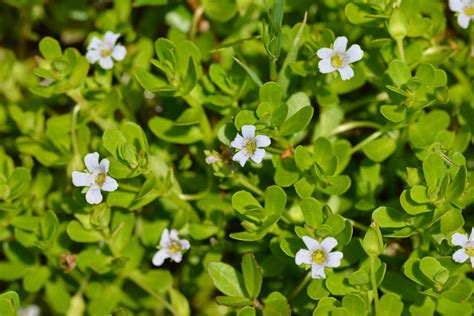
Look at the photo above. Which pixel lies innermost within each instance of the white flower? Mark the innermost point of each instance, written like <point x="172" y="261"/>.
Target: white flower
<point x="104" y="51"/>
<point x="30" y="310"/>
<point x="96" y="178"/>
<point x="339" y="58"/>
<point x="467" y="250"/>
<point x="319" y="255"/>
<point x="465" y="10"/>
<point x="171" y="247"/>
<point x="212" y="159"/>
<point x="249" y="145"/>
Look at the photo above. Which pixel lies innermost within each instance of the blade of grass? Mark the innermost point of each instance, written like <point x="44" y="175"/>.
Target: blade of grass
<point x="283" y="79"/>
<point x="250" y="72"/>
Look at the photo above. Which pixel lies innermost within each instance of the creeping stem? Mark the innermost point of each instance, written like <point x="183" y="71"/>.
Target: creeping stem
<point x="300" y="286"/>
<point x="373" y="280"/>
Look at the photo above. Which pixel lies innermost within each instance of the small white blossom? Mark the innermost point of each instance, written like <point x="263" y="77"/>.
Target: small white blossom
<point x="30" y="310"/>
<point x="465" y="10"/>
<point x="319" y="255"/>
<point x="212" y="159"/>
<point x="96" y="178"/>
<point x="104" y="50"/>
<point x="467" y="250"/>
<point x="171" y="247"/>
<point x="339" y="58"/>
<point x="249" y="145"/>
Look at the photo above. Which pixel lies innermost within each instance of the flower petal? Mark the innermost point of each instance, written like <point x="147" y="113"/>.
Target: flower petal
<point x="176" y="256"/>
<point x="174" y="234"/>
<point x="311" y="244"/>
<point x="185" y="244"/>
<point x="340" y="44"/>
<point x="334" y="259"/>
<point x="328" y="244"/>
<point x="160" y="257"/>
<point x="92" y="162"/>
<point x="303" y="256"/>
<point x="238" y="142"/>
<point x="110" y="38"/>
<point x="325" y="66"/>
<point x="472" y="261"/>
<point x="463" y="20"/>
<point x="81" y="179"/>
<point x="94" y="196"/>
<point x="106" y="63"/>
<point x="119" y="52"/>
<point x="471" y="237"/>
<point x="459" y="239"/>
<point x="355" y="53"/>
<point x="258" y="155"/>
<point x="324" y="53"/>
<point x="317" y="271"/>
<point x="248" y="131"/>
<point x="263" y="141"/>
<point x="456" y="5"/>
<point x="460" y="256"/>
<point x="95" y="44"/>
<point x="104" y="165"/>
<point x="346" y="72"/>
<point x="110" y="184"/>
<point x="165" y="237"/>
<point x="93" y="56"/>
<point x="241" y="156"/>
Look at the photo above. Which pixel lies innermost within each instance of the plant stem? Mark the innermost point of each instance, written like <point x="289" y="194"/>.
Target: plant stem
<point x="353" y="125"/>
<point x="366" y="141"/>
<point x="243" y="180"/>
<point x="300" y="286"/>
<point x="359" y="225"/>
<point x="75" y="147"/>
<point x="374" y="284"/>
<point x="204" y="122"/>
<point x="137" y="281"/>
<point x="401" y="49"/>
<point x="196" y="17"/>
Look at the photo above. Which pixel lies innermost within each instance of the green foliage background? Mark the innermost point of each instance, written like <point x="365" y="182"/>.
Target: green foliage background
<point x="388" y="153"/>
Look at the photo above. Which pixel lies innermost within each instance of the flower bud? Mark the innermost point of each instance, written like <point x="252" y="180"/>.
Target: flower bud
<point x="373" y="242"/>
<point x="398" y="25"/>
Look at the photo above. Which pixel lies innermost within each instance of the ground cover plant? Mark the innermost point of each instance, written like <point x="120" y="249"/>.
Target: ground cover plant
<point x="236" y="157"/>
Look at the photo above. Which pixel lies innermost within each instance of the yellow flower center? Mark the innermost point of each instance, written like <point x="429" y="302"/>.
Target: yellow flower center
<point x="105" y="52"/>
<point x="469" y="250"/>
<point x="175" y="246"/>
<point x="100" y="180"/>
<point x="469" y="10"/>
<point x="319" y="256"/>
<point x="251" y="146"/>
<point x="336" y="61"/>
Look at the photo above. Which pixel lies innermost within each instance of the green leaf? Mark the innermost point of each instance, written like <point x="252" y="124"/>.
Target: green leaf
<point x="359" y="13"/>
<point x="393" y="113"/>
<point x="252" y="275"/>
<point x="50" y="48"/>
<point x="316" y="289"/>
<point x="390" y="305"/>
<point x="456" y="188"/>
<point x="226" y="279"/>
<point x="219" y="10"/>
<point x="297" y="122"/>
<point x="36" y="278"/>
<point x="247" y="311"/>
<point x="312" y="211"/>
<point x="166" y="130"/>
<point x="387" y="217"/>
<point x="380" y="149"/>
<point x="235" y="301"/>
<point x="324" y="156"/>
<point x="78" y="233"/>
<point x="355" y="304"/>
<point x="399" y="72"/>
<point x="49" y="225"/>
<point x="275" y="200"/>
<point x="434" y="170"/>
